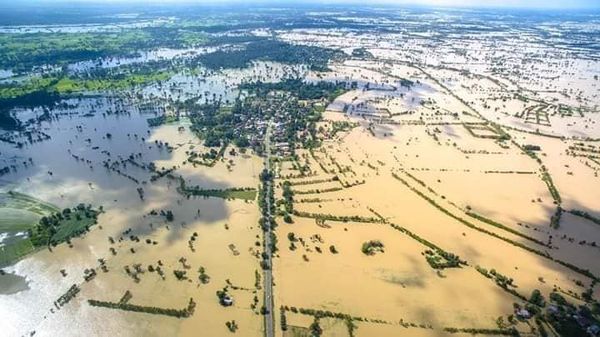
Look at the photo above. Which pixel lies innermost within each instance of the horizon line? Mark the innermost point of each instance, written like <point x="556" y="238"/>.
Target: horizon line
<point x="575" y="6"/>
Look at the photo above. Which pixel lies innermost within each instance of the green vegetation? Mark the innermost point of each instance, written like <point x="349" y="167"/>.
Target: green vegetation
<point x="300" y="89"/>
<point x="231" y="326"/>
<point x="571" y="266"/>
<point x="504" y="282"/>
<point x="553" y="191"/>
<point x="439" y="259"/>
<point x="21" y="52"/>
<point x="46" y="91"/>
<point x="362" y="53"/>
<point x="123" y="305"/>
<point x="371" y="247"/>
<point x="476" y="331"/>
<point x="288" y="197"/>
<point x="436" y="253"/>
<point x="203" y="277"/>
<point x="62" y="226"/>
<point x="270" y="50"/>
<point x="12" y="252"/>
<point x="585" y="215"/>
<point x="341" y="126"/>
<point x="568" y="319"/>
<point x="242" y="122"/>
<point x="315" y="328"/>
<point x="244" y="193"/>
<point x="555" y="218"/>
<point x="330" y="217"/>
<point x="318" y="191"/>
<point x="484" y="131"/>
<point x="63" y="84"/>
<point x="504" y="227"/>
<point x="162" y="119"/>
<point x="28" y="98"/>
<point x="112" y="82"/>
<point x="208" y="158"/>
<point x="219" y="125"/>
<point x="19" y="213"/>
<point x="28" y="86"/>
<point x="317" y="313"/>
<point x="537" y="298"/>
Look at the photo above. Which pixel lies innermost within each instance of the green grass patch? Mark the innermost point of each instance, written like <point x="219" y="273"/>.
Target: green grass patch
<point x="27" y="223"/>
<point x="68" y="85"/>
<point x="12" y="252"/>
<point x="62" y="226"/>
<point x="229" y="193"/>
<point x="77" y="223"/>
<point x="20" y="212"/>
<point x="15" y="220"/>
<point x="22" y="51"/>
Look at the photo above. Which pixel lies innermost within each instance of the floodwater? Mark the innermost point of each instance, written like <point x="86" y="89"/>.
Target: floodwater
<point x="12" y="284"/>
<point x="69" y="168"/>
<point x="83" y="28"/>
<point x="221" y="85"/>
<point x="6" y="73"/>
<point x="143" y="56"/>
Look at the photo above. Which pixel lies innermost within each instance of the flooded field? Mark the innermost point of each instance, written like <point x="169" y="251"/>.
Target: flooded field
<point x="298" y="172"/>
<point x="69" y="168"/>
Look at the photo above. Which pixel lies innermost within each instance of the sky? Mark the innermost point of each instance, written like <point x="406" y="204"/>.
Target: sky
<point x="541" y="4"/>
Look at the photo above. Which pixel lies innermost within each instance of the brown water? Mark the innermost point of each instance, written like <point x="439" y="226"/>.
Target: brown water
<point x="33" y="284"/>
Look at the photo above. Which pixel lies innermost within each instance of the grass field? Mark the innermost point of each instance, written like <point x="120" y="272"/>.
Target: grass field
<point x="19" y="213"/>
<point x="14" y="251"/>
<point x="15" y="220"/>
<point x="22" y="51"/>
<point x="76" y="223"/>
<point x="66" y="85"/>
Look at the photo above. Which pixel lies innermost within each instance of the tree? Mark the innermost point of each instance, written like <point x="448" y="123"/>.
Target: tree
<point x="292" y="237"/>
<point x="315" y="328"/>
<point x="537" y="298"/>
<point x="266" y="175"/>
<point x="169" y="216"/>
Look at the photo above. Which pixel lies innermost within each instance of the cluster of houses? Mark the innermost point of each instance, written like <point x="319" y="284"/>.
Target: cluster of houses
<point x="555" y="313"/>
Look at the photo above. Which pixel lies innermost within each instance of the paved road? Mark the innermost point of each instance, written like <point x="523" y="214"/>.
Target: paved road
<point x="267" y="273"/>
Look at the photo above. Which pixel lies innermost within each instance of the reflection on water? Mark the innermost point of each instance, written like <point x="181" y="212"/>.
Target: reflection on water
<point x="12" y="284"/>
<point x="93" y="149"/>
<point x="215" y="85"/>
<point x="69" y="169"/>
<point x="143" y="56"/>
<point x="5" y="73"/>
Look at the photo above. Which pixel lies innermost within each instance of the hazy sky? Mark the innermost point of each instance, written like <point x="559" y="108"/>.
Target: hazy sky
<point x="555" y="4"/>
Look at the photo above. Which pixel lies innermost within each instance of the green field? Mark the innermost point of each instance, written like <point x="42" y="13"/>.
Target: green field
<point x="15" y="251"/>
<point x="27" y="223"/>
<point x="19" y="213"/>
<point x="67" y="85"/>
<point x="77" y="223"/>
<point x="15" y="220"/>
<point x="23" y="51"/>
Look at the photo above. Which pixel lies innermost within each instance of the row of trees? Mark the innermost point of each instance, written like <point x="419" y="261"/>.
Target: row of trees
<point x="179" y="313"/>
